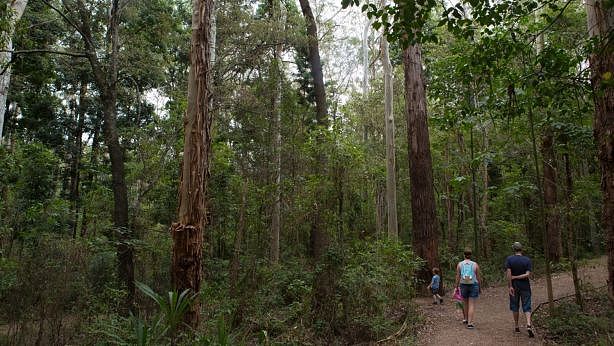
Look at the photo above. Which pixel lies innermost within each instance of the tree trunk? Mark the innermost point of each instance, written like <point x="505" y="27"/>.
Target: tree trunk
<point x="380" y="209"/>
<point x="452" y="240"/>
<point x="601" y="26"/>
<point x="315" y="64"/>
<point x="553" y="231"/>
<point x="391" y="182"/>
<point x="474" y="200"/>
<point x="89" y="179"/>
<point x="570" y="230"/>
<point x="236" y="254"/>
<point x="107" y="83"/>
<point x="484" y="236"/>
<point x="365" y="73"/>
<point x="542" y="213"/>
<point x="276" y="73"/>
<point x="6" y="54"/>
<point x="424" y="220"/>
<point x="323" y="307"/>
<point x="187" y="233"/>
<point x="75" y="181"/>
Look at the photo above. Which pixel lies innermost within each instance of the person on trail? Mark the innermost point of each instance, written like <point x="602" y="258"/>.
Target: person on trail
<point x="518" y="269"/>
<point x="468" y="282"/>
<point x="435" y="285"/>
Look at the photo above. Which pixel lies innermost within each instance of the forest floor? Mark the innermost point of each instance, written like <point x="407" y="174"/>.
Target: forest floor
<point x="493" y="319"/>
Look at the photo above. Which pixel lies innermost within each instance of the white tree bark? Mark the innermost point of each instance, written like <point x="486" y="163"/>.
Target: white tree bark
<point x="365" y="69"/>
<point x="391" y="182"/>
<point x="17" y="8"/>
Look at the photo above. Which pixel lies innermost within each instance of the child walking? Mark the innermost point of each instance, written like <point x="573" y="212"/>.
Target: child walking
<point x="434" y="286"/>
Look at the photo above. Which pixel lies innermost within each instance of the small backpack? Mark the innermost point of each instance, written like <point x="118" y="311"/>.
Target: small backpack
<point x="467" y="276"/>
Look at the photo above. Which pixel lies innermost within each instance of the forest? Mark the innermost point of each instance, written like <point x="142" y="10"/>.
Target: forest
<point x="280" y="172"/>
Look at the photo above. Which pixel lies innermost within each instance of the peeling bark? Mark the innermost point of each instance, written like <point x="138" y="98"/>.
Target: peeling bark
<point x="187" y="233"/>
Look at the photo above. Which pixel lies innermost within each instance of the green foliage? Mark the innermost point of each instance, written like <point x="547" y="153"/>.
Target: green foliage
<point x="375" y="283"/>
<point x="569" y="325"/>
<point x="172" y="307"/>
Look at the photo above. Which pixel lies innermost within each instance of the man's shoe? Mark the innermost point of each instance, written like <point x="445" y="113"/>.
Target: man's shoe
<point x="440" y="300"/>
<point x="464" y="321"/>
<point x="530" y="331"/>
<point x="470" y="326"/>
<point x="516" y="330"/>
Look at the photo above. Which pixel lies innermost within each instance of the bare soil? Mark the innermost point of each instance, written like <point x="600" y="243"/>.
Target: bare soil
<point x="493" y="319"/>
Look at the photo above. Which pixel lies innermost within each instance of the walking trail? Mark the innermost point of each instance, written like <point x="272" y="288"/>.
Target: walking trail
<point x="493" y="319"/>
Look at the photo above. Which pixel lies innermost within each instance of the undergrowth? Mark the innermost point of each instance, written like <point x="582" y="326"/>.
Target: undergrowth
<point x="568" y="324"/>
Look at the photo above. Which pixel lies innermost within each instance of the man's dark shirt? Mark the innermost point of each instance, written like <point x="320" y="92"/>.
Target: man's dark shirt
<point x="519" y="265"/>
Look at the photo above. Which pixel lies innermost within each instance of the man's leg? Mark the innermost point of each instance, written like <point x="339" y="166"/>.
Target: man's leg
<point x="526" y="307"/>
<point x="514" y="306"/>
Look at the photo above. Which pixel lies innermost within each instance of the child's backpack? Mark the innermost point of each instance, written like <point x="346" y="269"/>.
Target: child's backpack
<point x="467" y="275"/>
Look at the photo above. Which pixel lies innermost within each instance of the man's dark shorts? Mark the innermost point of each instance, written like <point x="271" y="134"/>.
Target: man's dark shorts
<point x="521" y="295"/>
<point x="470" y="291"/>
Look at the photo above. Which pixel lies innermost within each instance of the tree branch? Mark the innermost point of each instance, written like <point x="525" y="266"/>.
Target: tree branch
<point x="45" y="51"/>
<point x="69" y="21"/>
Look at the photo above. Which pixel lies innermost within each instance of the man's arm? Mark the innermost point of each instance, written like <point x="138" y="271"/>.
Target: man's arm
<point x="508" y="273"/>
<point x="522" y="276"/>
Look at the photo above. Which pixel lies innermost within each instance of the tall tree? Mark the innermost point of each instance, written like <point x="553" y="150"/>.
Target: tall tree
<point x="320" y="239"/>
<point x="391" y="181"/>
<point x="600" y="28"/>
<point x="14" y="11"/>
<point x="553" y="231"/>
<point x="424" y="220"/>
<point x="106" y="73"/>
<point x="187" y="233"/>
<point x="275" y="76"/>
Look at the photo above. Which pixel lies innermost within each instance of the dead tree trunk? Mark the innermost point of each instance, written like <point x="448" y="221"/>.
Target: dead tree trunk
<point x="187" y="233"/>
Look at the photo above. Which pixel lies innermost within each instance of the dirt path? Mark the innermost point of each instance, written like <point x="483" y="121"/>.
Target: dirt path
<point x="493" y="320"/>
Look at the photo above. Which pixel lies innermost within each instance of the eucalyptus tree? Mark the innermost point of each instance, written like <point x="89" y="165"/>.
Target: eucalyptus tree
<point x="11" y="13"/>
<point x="391" y="182"/>
<point x="425" y="226"/>
<point x="320" y="239"/>
<point x="187" y="233"/>
<point x="276" y="75"/>
<point x="600" y="28"/>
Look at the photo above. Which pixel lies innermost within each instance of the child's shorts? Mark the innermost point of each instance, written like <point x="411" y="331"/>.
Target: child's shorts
<point x="435" y="290"/>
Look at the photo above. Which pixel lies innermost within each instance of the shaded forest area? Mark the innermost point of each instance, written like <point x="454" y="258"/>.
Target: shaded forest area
<point x="280" y="172"/>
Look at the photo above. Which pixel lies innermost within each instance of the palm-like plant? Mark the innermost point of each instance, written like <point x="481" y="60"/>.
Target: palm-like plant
<point x="172" y="306"/>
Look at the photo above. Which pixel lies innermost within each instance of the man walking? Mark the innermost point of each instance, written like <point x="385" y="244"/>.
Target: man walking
<point x="518" y="269"/>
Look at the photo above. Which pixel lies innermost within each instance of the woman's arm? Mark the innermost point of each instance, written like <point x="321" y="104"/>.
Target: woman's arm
<point x="457" y="275"/>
